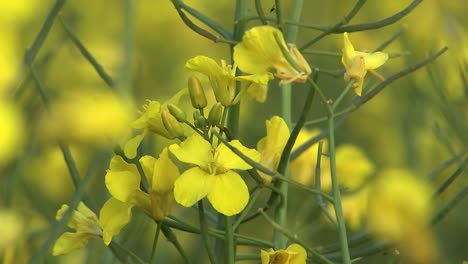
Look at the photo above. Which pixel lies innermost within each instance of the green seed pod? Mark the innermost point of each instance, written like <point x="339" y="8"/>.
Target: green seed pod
<point x="177" y="112"/>
<point x="197" y="95"/>
<point x="216" y="112"/>
<point x="171" y="124"/>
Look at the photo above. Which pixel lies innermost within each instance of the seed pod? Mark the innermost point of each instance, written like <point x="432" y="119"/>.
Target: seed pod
<point x="216" y="112"/>
<point x="171" y="124"/>
<point x="197" y="95"/>
<point x="177" y="112"/>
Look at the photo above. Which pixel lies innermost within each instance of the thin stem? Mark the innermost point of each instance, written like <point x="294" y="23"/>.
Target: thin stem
<point x="318" y="186"/>
<point x="123" y="254"/>
<point x="449" y="206"/>
<point x="155" y="242"/>
<point x="87" y="55"/>
<point x="342" y="95"/>
<point x="336" y="191"/>
<point x="279" y="13"/>
<point x="252" y="200"/>
<point x="204" y="231"/>
<point x="43" y="33"/>
<point x="260" y="13"/>
<point x="230" y="246"/>
<point x="171" y="237"/>
<point x="359" y="4"/>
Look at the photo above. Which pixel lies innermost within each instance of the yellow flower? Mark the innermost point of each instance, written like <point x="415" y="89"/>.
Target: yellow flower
<point x="213" y="176"/>
<point x="294" y="254"/>
<point x="357" y="64"/>
<point x="88" y="117"/>
<point x="271" y="147"/>
<point x="223" y="78"/>
<point x="259" y="52"/>
<point x="86" y="224"/>
<point x="161" y="174"/>
<point x="399" y="211"/>
<point x="353" y="168"/>
<point x="12" y="132"/>
<point x="151" y="121"/>
<point x="123" y="183"/>
<point x="303" y="167"/>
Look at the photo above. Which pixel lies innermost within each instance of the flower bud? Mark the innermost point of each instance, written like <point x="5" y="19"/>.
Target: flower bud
<point x="216" y="112"/>
<point x="199" y="120"/>
<point x="197" y="95"/>
<point x="171" y="124"/>
<point x="177" y="112"/>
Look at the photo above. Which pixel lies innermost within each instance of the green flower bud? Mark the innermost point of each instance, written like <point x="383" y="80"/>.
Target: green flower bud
<point x="199" y="120"/>
<point x="197" y="95"/>
<point x="177" y="112"/>
<point x="216" y="112"/>
<point x="171" y="124"/>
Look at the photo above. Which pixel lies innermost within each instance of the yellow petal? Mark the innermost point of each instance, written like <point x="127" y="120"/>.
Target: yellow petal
<point x="82" y="220"/>
<point x="147" y="163"/>
<point x="348" y="51"/>
<point x="258" y="51"/>
<point x="229" y="160"/>
<point x="122" y="180"/>
<point x="353" y="166"/>
<point x="300" y="257"/>
<point x="69" y="242"/>
<point x="205" y="65"/>
<point x="130" y="148"/>
<point x="192" y="186"/>
<point x="265" y="257"/>
<point x="195" y="150"/>
<point x="165" y="173"/>
<point x="114" y="215"/>
<point x="373" y="60"/>
<point x="262" y="78"/>
<point x="229" y="194"/>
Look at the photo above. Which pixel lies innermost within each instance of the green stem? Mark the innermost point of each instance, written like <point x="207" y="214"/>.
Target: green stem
<point x="230" y="245"/>
<point x="253" y="198"/>
<point x="155" y="242"/>
<point x="204" y="231"/>
<point x="336" y="191"/>
<point x="123" y="254"/>
<point x="286" y="100"/>
<point x="171" y="237"/>
<point x="260" y="13"/>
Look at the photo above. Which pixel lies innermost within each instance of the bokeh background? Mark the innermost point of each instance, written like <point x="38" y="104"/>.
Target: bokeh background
<point x="418" y="122"/>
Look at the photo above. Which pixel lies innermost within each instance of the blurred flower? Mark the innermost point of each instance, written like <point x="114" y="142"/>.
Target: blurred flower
<point x="12" y="132"/>
<point x="151" y="121"/>
<point x="294" y="254"/>
<point x="303" y="167"/>
<point x="97" y="117"/>
<point x="355" y="208"/>
<point x="86" y="224"/>
<point x="11" y="228"/>
<point x="271" y="146"/>
<point x="358" y="63"/>
<point x="213" y="176"/>
<point x="353" y="168"/>
<point x="399" y="210"/>
<point x="223" y="78"/>
<point x="259" y="52"/>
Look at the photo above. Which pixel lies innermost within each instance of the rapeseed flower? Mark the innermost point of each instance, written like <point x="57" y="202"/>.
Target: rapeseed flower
<point x="86" y="224"/>
<point x="213" y="175"/>
<point x="357" y="64"/>
<point x="223" y="79"/>
<point x="151" y="121"/>
<point x="294" y="254"/>
<point x="303" y="167"/>
<point x="12" y="129"/>
<point x="123" y="183"/>
<point x="263" y="48"/>
<point x="272" y="145"/>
